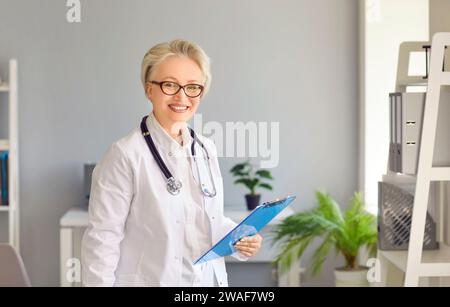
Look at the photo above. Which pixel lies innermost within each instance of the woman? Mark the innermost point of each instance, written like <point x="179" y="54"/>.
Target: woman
<point x="145" y="227"/>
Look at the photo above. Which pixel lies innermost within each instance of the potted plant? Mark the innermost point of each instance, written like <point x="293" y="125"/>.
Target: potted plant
<point x="247" y="174"/>
<point x="347" y="232"/>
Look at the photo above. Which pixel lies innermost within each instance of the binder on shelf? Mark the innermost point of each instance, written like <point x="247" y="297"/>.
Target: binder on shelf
<point x="412" y="130"/>
<point x="405" y="128"/>
<point x="392" y="132"/>
<point x="1" y="184"/>
<point x="4" y="177"/>
<point x="399" y="134"/>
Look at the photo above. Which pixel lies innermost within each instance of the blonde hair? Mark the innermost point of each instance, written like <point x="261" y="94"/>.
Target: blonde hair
<point x="158" y="53"/>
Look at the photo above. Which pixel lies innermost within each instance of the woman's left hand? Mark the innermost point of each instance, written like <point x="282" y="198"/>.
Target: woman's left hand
<point x="249" y="246"/>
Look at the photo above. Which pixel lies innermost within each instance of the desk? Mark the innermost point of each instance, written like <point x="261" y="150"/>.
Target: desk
<point x="74" y="222"/>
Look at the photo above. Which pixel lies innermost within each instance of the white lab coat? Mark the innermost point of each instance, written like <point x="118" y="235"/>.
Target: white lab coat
<point x="136" y="228"/>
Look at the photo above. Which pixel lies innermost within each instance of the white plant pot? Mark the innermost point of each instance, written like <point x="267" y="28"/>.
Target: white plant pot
<point x="351" y="278"/>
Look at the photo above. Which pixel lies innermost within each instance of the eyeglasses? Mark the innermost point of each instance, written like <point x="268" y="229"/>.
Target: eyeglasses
<point x="172" y="88"/>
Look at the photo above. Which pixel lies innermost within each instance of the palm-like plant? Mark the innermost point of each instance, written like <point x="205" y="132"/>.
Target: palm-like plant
<point x="347" y="232"/>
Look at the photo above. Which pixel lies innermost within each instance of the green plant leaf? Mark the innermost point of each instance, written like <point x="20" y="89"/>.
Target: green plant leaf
<point x="245" y="181"/>
<point x="264" y="174"/>
<point x="291" y="251"/>
<point x="237" y="168"/>
<point x="241" y="174"/>
<point x="266" y="186"/>
<point x="329" y="208"/>
<point x="321" y="253"/>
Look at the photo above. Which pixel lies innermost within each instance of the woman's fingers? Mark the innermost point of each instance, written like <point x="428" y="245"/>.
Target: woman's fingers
<point x="254" y="241"/>
<point x="245" y="249"/>
<point x="245" y="244"/>
<point x="249" y="246"/>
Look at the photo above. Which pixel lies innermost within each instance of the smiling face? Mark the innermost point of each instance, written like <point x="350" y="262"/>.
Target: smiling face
<point x="171" y="111"/>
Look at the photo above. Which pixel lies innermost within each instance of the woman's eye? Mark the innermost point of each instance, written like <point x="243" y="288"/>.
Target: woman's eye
<point x="170" y="85"/>
<point x="193" y="88"/>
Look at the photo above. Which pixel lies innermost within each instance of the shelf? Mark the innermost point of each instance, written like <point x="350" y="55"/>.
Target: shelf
<point x="445" y="80"/>
<point x="434" y="263"/>
<point x="440" y="173"/>
<point x="4" y="145"/>
<point x="413" y="83"/>
<point x="4" y="208"/>
<point x="4" y="87"/>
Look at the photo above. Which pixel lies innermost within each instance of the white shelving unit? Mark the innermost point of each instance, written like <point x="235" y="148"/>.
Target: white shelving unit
<point x="9" y="93"/>
<point x="416" y="263"/>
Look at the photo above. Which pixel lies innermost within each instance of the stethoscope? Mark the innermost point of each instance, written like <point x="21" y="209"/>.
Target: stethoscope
<point x="174" y="186"/>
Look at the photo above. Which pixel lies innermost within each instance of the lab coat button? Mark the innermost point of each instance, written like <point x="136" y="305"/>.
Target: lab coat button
<point x="170" y="154"/>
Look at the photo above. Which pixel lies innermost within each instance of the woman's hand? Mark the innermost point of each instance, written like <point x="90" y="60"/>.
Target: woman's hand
<point x="249" y="246"/>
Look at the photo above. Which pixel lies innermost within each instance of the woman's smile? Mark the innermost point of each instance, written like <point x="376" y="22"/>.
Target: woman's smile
<point x="178" y="108"/>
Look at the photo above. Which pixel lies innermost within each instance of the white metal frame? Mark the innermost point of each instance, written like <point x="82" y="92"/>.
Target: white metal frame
<point x="12" y="145"/>
<point x="415" y="262"/>
<point x="426" y="172"/>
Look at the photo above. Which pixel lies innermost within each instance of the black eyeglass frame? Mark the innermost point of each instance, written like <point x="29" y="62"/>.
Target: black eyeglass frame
<point x="179" y="88"/>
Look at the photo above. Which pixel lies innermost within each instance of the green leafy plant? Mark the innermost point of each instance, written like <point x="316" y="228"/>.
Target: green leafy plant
<point x="249" y="176"/>
<point x="347" y="232"/>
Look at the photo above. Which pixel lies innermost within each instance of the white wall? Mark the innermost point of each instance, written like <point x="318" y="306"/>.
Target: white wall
<point x="387" y="24"/>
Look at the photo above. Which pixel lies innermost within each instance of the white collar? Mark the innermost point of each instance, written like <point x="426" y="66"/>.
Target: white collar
<point x="164" y="139"/>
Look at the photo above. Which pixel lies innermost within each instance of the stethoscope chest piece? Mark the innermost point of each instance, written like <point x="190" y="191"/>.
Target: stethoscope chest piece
<point x="174" y="186"/>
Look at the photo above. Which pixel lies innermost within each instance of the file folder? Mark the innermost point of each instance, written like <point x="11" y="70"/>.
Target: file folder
<point x="399" y="134"/>
<point x="4" y="178"/>
<point x="406" y="113"/>
<point x="392" y="134"/>
<point x="250" y="226"/>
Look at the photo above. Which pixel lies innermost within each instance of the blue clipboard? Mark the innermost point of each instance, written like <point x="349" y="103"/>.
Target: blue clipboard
<point x="250" y="226"/>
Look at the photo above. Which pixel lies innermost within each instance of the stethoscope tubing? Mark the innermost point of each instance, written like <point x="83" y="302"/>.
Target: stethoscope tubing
<point x="173" y="185"/>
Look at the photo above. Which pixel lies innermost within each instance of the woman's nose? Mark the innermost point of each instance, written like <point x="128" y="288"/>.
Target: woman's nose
<point x="181" y="96"/>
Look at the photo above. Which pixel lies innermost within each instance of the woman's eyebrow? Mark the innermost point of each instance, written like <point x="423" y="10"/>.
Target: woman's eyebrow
<point x="190" y="81"/>
<point x="171" y="78"/>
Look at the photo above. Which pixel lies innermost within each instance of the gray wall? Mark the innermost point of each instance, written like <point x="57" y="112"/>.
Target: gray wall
<point x="289" y="61"/>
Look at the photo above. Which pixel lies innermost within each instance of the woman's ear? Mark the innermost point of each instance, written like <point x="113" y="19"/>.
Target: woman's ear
<point x="148" y="90"/>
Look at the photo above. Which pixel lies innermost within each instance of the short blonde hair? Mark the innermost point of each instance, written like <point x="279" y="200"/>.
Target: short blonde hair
<point x="157" y="54"/>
